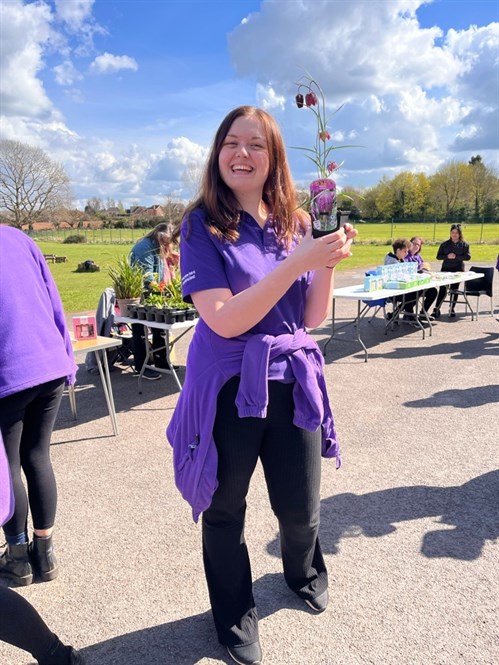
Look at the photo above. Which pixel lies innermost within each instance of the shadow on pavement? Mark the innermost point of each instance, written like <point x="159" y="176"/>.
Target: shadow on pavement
<point x="464" y="398"/>
<point x="462" y="350"/>
<point x="187" y="641"/>
<point x="91" y="404"/>
<point x="472" y="509"/>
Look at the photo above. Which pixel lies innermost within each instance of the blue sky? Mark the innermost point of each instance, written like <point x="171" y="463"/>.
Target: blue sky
<point x="127" y="94"/>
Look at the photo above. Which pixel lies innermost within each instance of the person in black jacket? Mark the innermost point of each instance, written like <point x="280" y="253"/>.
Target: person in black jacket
<point x="453" y="253"/>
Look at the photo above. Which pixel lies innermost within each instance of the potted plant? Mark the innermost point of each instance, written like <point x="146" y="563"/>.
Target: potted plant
<point x="128" y="283"/>
<point x="323" y="194"/>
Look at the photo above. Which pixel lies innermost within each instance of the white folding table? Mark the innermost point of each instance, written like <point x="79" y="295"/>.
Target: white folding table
<point x="356" y="292"/>
<point x="98" y="346"/>
<point x="184" y="326"/>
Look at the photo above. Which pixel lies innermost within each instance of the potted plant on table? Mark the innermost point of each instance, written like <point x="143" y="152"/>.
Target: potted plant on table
<point x="174" y="300"/>
<point x="128" y="283"/>
<point x="323" y="195"/>
<point x="155" y="300"/>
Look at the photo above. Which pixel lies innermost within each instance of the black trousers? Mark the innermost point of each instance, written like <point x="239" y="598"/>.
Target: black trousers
<point x="26" y="420"/>
<point x="291" y="460"/>
<point x="139" y="346"/>
<point x="442" y="292"/>
<point x="23" y="627"/>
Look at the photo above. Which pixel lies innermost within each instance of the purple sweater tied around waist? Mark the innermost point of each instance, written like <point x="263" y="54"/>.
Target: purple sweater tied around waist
<point x="212" y="361"/>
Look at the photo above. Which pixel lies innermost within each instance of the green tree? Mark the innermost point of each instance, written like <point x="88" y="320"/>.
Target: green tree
<point x="483" y="185"/>
<point x="448" y="189"/>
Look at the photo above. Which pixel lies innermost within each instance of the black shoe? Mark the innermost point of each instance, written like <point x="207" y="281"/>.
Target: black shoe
<point x="15" y="564"/>
<point x="319" y="603"/>
<point x="150" y="375"/>
<point x="436" y="313"/>
<point x="246" y="654"/>
<point x="43" y="559"/>
<point x="452" y="315"/>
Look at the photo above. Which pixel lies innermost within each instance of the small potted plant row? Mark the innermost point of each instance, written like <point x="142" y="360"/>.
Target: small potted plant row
<point x="163" y="313"/>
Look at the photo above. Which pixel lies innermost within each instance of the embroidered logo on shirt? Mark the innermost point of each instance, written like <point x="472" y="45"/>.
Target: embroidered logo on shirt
<point x="188" y="277"/>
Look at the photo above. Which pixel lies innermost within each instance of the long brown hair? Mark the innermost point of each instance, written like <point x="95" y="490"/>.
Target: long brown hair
<point x="457" y="227"/>
<point x="161" y="236"/>
<point x="279" y="193"/>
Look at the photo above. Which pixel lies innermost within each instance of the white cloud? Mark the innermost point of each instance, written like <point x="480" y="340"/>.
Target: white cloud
<point x="268" y="99"/>
<point x="74" y="12"/>
<point x="26" y="30"/>
<point x="409" y="93"/>
<point x="66" y="73"/>
<point x="180" y="153"/>
<point x="108" y="63"/>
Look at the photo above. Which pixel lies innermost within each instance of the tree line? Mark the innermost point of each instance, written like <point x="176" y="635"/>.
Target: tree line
<point x="34" y="188"/>
<point x="456" y="192"/>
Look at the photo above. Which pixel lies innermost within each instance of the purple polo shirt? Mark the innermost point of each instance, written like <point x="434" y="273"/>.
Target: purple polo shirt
<point x="209" y="263"/>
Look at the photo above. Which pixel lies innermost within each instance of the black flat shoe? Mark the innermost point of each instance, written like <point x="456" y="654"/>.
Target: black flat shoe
<point x="452" y="315"/>
<point x="436" y="313"/>
<point x="246" y="654"/>
<point x="320" y="603"/>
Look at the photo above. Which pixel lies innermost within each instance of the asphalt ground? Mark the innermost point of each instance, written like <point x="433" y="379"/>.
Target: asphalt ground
<point x="409" y="523"/>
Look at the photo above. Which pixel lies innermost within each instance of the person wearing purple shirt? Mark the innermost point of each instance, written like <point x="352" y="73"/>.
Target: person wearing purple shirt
<point x="414" y="255"/>
<point x="36" y="361"/>
<point x="254" y="385"/>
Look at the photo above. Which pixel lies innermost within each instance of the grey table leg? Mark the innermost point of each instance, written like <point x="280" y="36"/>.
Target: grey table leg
<point x="72" y="401"/>
<point x="106" y="386"/>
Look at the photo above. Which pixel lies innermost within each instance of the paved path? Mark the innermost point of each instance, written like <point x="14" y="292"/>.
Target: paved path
<point x="409" y="524"/>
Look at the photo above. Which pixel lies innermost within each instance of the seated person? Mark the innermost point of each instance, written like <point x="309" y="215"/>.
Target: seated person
<point x="400" y="249"/>
<point x="414" y="256"/>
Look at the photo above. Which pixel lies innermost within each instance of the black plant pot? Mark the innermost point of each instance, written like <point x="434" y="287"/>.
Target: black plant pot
<point x="170" y="315"/>
<point x="151" y="314"/>
<point x="141" y="313"/>
<point x="159" y="316"/>
<point x="180" y="315"/>
<point x="132" y="311"/>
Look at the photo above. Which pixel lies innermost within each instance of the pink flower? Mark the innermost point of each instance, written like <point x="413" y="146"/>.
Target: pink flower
<point x="332" y="166"/>
<point x="324" y="136"/>
<point x="311" y="99"/>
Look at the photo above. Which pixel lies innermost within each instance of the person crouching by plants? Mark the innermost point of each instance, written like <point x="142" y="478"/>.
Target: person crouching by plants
<point x="156" y="256"/>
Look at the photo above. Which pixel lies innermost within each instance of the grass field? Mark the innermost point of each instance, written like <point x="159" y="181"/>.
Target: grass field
<point x="81" y="291"/>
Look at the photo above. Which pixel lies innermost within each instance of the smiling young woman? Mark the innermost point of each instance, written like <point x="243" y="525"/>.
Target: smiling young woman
<point x="244" y="163"/>
<point x="254" y="385"/>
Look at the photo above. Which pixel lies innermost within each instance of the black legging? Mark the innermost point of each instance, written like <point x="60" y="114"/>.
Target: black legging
<point x="23" y="627"/>
<point x="291" y="460"/>
<point x="26" y="420"/>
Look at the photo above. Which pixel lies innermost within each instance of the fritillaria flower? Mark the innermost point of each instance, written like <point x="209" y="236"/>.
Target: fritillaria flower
<point x="311" y="96"/>
<point x="311" y="99"/>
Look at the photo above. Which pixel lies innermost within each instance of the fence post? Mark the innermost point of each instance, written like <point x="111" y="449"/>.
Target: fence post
<point x="391" y="230"/>
<point x="434" y="228"/>
<point x="481" y="229"/>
